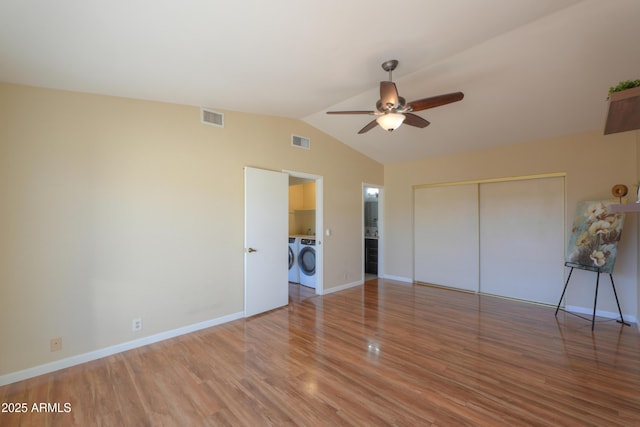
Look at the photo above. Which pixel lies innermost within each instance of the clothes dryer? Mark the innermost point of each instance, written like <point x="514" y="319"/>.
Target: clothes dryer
<point x="294" y="270"/>
<point x="307" y="262"/>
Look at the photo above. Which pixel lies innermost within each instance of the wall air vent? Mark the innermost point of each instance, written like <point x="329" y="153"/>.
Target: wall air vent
<point x="301" y="142"/>
<point x="210" y="117"/>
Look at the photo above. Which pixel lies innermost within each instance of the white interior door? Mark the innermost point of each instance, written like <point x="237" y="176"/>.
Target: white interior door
<point x="522" y="239"/>
<point x="266" y="244"/>
<point x="446" y="236"/>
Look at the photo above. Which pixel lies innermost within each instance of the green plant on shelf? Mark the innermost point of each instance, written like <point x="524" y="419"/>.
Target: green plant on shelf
<point x="624" y="85"/>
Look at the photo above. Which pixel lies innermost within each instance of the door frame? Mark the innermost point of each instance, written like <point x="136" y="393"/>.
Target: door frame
<point x="319" y="225"/>
<point x="380" y="227"/>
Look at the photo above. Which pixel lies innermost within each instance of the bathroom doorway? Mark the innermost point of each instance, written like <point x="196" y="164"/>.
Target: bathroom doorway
<point x="372" y="230"/>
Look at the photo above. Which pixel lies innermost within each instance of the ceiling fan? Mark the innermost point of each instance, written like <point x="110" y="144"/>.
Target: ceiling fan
<point x="392" y="110"/>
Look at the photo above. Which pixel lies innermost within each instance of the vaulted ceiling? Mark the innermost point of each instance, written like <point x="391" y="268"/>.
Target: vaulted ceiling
<point x="529" y="69"/>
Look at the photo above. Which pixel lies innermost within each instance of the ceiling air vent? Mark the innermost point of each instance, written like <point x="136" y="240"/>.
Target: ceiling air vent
<point x="301" y="142"/>
<point x="210" y="117"/>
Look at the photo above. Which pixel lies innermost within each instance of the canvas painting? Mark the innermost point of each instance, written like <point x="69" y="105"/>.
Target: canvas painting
<point x="595" y="235"/>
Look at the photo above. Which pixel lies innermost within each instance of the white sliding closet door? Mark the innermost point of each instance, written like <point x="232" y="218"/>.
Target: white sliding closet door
<point x="446" y="236"/>
<point x="522" y="239"/>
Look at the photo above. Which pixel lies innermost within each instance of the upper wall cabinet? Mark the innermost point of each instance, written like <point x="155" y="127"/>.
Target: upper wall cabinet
<point x="309" y="195"/>
<point x="302" y="197"/>
<point x="624" y="111"/>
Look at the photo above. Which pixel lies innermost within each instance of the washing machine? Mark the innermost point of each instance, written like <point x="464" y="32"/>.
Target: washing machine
<point x="294" y="270"/>
<point x="307" y="262"/>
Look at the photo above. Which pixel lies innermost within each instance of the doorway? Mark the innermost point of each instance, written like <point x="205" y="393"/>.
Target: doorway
<point x="372" y="227"/>
<point x="305" y="212"/>
<point x="266" y="226"/>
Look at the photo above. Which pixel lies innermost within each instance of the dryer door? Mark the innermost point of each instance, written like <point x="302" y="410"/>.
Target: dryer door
<point x="290" y="258"/>
<point x="307" y="260"/>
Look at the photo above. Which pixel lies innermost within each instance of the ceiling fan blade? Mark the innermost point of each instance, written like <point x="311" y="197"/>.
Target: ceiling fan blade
<point x="388" y="95"/>
<point x="435" y="101"/>
<point x="369" y="126"/>
<point x="349" y="112"/>
<point x="415" y="120"/>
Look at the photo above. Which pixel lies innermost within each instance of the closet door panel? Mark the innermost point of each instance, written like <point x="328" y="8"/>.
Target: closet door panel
<point x="446" y="236"/>
<point x="522" y="239"/>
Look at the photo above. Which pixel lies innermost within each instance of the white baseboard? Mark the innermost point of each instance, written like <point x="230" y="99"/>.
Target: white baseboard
<point x="398" y="278"/>
<point x="108" y="351"/>
<point x="600" y="313"/>
<point x="343" y="287"/>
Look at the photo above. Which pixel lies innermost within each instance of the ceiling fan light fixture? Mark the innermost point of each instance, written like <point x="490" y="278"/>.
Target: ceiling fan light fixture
<point x="392" y="110"/>
<point x="390" y="121"/>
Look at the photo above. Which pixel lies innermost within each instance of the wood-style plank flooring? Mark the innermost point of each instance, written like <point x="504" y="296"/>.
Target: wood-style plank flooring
<point x="386" y="353"/>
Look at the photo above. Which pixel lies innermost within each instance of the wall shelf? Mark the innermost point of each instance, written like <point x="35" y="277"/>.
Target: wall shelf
<point x="625" y="208"/>
<point x="624" y="111"/>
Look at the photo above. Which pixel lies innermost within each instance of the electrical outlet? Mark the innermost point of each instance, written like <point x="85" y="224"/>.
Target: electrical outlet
<point x="136" y="324"/>
<point x="56" y="344"/>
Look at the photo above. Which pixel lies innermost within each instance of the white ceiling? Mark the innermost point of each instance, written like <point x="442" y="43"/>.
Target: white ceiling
<point x="529" y="69"/>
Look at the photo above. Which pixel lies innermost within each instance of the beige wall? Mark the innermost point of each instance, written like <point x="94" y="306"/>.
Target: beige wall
<point x="115" y="208"/>
<point x="592" y="162"/>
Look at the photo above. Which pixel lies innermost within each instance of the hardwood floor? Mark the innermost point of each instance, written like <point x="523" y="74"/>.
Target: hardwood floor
<point x="385" y="353"/>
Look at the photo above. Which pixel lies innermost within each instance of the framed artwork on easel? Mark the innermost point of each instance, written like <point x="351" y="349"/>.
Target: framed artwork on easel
<point x="595" y="235"/>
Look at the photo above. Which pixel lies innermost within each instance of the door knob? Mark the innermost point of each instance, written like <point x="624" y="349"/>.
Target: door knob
<point x="251" y="250"/>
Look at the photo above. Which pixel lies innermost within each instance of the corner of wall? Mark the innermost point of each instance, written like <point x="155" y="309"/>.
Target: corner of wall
<point x="637" y="137"/>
